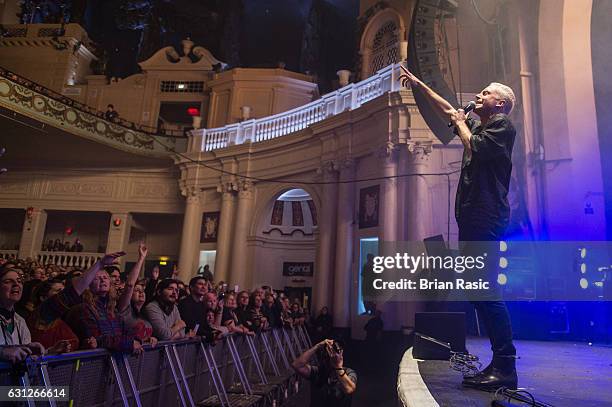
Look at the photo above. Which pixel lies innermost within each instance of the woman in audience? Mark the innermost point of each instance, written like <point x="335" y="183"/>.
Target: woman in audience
<point x="96" y="322"/>
<point x="229" y="318"/>
<point x="13" y="326"/>
<point x="163" y="314"/>
<point x="242" y="311"/>
<point x="45" y="323"/>
<point x="132" y="299"/>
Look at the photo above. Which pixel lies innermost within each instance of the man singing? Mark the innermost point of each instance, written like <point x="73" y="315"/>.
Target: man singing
<point x="482" y="210"/>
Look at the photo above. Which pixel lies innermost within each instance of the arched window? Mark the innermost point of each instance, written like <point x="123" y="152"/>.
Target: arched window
<point x="385" y="47"/>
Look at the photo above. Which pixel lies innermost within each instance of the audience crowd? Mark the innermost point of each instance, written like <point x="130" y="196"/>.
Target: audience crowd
<point x="49" y="309"/>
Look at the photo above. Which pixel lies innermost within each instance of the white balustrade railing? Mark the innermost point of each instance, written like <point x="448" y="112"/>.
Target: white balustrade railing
<point x="349" y="97"/>
<point x="68" y="259"/>
<point x="8" y="254"/>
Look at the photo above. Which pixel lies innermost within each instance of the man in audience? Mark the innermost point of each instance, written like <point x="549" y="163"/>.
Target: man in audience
<point x="333" y="384"/>
<point x="163" y="314"/>
<point x="193" y="307"/>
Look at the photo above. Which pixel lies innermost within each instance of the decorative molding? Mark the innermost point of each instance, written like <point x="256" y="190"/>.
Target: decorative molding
<point x="37" y="105"/>
<point x="101" y="189"/>
<point x="388" y="150"/>
<point x="420" y="150"/>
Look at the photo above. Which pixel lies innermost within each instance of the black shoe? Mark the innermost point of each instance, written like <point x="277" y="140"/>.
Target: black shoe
<point x="500" y="373"/>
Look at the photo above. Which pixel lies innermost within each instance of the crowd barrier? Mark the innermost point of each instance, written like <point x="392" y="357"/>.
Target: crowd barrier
<point x="237" y="371"/>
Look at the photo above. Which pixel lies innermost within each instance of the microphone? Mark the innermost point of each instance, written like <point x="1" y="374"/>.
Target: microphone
<point x="467" y="108"/>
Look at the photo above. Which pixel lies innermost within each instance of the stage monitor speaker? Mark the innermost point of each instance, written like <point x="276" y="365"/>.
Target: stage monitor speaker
<point x="446" y="327"/>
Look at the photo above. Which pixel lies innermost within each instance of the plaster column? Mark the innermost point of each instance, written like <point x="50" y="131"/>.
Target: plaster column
<point x="388" y="206"/>
<point x="414" y="158"/>
<point x="322" y="290"/>
<point x="534" y="173"/>
<point x="240" y="273"/>
<point x="344" y="246"/>
<point x="418" y="216"/>
<point x="32" y="233"/>
<point x="118" y="235"/>
<point x="389" y="223"/>
<point x="224" y="237"/>
<point x="190" y="238"/>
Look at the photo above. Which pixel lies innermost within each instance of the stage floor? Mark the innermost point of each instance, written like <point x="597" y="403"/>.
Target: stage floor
<point x="563" y="374"/>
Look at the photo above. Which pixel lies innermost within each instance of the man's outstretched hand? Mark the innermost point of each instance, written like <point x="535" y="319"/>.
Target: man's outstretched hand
<point x="408" y="78"/>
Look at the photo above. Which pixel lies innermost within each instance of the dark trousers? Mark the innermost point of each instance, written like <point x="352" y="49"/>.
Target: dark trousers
<point x="494" y="313"/>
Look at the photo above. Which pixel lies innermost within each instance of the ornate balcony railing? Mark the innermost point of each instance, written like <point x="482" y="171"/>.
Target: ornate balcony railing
<point x="349" y="97"/>
<point x="68" y="259"/>
<point x="8" y="254"/>
<point x="36" y="101"/>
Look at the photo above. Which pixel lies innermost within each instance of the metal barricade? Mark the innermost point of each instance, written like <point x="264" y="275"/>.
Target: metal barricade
<point x="185" y="373"/>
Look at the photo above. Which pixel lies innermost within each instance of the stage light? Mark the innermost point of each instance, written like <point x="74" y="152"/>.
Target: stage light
<point x="162" y="263"/>
<point x="180" y="86"/>
<point x="503" y="262"/>
<point x="502" y="279"/>
<point x="583" y="252"/>
<point x="598" y="283"/>
<point x="503" y="246"/>
<point x="164" y="258"/>
<point x="584" y="283"/>
<point x="583" y="268"/>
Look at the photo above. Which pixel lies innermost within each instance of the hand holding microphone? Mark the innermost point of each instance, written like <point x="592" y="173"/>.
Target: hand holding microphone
<point x="466" y="109"/>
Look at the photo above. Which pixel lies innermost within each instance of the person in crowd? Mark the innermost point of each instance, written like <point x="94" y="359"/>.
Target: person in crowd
<point x="152" y="281"/>
<point x="111" y="114"/>
<point x="296" y="314"/>
<point x="77" y="246"/>
<point x="163" y="313"/>
<point x="96" y="322"/>
<point x="206" y="273"/>
<point x="242" y="310"/>
<point x="25" y="306"/>
<point x="213" y="303"/>
<point x="257" y="319"/>
<point x="132" y="299"/>
<point x="285" y="312"/>
<point x="193" y="307"/>
<point x="49" y="246"/>
<point x="15" y="341"/>
<point x="270" y="310"/>
<point x="323" y="324"/>
<point x="183" y="292"/>
<point x="229" y="318"/>
<point x="213" y="332"/>
<point x="333" y="383"/>
<point x="115" y="276"/>
<point x="45" y="323"/>
<point x="58" y="245"/>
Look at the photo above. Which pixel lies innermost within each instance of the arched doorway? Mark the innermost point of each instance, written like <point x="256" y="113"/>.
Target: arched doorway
<point x="285" y="244"/>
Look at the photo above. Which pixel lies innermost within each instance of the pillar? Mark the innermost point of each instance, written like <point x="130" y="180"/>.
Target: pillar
<point x="240" y="273"/>
<point x="32" y="233"/>
<point x="344" y="246"/>
<point x="190" y="237"/>
<point x="226" y="218"/>
<point x="418" y="215"/>
<point x="323" y="276"/>
<point x="534" y="172"/>
<point x="118" y="233"/>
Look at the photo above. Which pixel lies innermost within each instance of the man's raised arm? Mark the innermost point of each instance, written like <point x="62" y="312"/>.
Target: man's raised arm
<point x="437" y="101"/>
